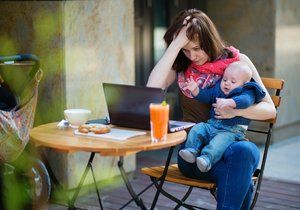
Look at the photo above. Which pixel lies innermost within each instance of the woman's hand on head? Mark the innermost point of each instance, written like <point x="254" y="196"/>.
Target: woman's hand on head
<point x="181" y="39"/>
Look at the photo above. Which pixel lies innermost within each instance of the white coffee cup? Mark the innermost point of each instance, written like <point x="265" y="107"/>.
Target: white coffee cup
<point x="77" y="117"/>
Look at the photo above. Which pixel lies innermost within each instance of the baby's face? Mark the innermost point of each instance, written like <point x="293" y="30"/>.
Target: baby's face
<point x="232" y="79"/>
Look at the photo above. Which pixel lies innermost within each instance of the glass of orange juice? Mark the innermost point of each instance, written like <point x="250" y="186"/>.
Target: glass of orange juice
<point x="159" y="119"/>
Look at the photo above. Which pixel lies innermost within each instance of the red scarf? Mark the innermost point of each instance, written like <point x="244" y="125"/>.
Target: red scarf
<point x="207" y="74"/>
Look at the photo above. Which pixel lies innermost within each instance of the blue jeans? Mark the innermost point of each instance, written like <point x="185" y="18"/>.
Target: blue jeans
<point x="233" y="174"/>
<point x="214" y="137"/>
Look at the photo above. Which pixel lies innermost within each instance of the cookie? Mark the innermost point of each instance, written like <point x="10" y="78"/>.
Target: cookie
<point x="83" y="129"/>
<point x="100" y="130"/>
<point x="97" y="129"/>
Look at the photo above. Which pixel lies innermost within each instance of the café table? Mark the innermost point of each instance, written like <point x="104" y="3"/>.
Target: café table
<point x="48" y="135"/>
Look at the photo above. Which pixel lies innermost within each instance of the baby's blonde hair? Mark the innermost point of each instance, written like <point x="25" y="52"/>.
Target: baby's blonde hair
<point x="242" y="68"/>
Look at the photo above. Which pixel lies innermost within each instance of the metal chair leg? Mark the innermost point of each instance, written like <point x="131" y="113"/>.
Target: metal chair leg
<point x="135" y="196"/>
<point x="140" y="193"/>
<point x="183" y="199"/>
<point x="178" y="201"/>
<point x="257" y="191"/>
<point x="213" y="192"/>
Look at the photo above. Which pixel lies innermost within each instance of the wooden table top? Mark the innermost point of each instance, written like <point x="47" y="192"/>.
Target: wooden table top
<point x="48" y="135"/>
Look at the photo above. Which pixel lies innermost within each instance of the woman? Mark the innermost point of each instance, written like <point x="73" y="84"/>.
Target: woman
<point x="195" y="50"/>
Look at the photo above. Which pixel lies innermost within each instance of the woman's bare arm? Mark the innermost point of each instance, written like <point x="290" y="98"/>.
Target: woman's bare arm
<point x="261" y="111"/>
<point x="163" y="75"/>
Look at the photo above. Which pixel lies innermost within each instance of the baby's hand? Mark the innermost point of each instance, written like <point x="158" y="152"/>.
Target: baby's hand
<point x="222" y="103"/>
<point x="192" y="86"/>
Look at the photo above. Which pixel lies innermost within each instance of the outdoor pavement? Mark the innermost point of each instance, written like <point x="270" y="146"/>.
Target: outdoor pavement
<point x="283" y="161"/>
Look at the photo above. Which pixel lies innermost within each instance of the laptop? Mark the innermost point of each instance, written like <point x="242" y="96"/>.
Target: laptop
<point x="128" y="106"/>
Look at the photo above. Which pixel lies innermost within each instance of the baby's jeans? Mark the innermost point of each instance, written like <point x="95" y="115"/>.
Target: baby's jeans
<point x="214" y="137"/>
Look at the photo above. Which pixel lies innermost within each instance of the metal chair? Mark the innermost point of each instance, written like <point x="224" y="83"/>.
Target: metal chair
<point x="173" y="175"/>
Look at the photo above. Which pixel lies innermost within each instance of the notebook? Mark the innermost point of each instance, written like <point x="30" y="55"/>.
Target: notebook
<point x="128" y="106"/>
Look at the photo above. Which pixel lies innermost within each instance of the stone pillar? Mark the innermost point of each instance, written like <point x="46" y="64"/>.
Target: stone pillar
<point x="99" y="47"/>
<point x="81" y="44"/>
<point x="36" y="27"/>
<point x="287" y="60"/>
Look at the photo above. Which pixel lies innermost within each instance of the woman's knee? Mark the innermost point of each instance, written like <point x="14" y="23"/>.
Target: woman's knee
<point x="244" y="150"/>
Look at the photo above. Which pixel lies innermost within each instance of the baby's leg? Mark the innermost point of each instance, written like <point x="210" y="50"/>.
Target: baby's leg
<point x="214" y="151"/>
<point x="188" y="155"/>
<point x="194" y="142"/>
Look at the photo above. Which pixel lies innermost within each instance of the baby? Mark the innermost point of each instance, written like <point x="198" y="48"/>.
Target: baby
<point x="207" y="142"/>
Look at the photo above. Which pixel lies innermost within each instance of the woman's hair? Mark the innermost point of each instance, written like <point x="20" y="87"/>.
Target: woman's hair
<point x="201" y="30"/>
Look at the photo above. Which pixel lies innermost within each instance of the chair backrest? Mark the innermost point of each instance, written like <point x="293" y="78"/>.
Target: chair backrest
<point x="274" y="87"/>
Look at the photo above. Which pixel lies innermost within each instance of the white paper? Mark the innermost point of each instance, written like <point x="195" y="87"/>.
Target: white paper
<point x="115" y="133"/>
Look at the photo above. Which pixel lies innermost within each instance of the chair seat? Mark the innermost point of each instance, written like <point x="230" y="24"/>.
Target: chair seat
<point x="175" y="176"/>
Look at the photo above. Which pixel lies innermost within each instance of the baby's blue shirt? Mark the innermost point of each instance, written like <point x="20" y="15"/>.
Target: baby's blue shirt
<point x="244" y="97"/>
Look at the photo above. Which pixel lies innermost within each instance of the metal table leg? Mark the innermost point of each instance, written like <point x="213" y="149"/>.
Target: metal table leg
<point x="162" y="178"/>
<point x="135" y="197"/>
<point x="88" y="166"/>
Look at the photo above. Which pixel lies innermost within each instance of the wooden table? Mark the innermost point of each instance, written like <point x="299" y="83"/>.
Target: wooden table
<point x="48" y="135"/>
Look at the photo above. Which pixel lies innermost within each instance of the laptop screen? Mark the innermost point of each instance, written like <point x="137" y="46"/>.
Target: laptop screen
<point x="128" y="105"/>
